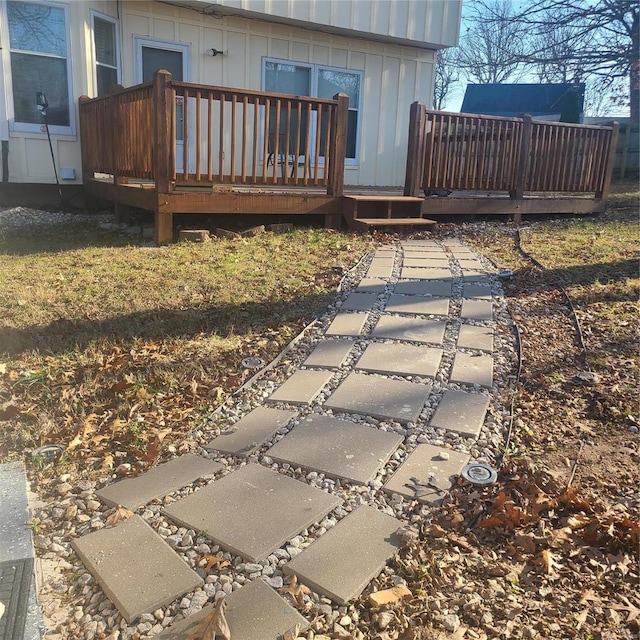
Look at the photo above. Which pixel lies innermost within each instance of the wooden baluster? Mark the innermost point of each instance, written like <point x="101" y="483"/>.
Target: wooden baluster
<point x="265" y="150"/>
<point x="602" y="191"/>
<point x="198" y="134"/>
<point x="327" y="157"/>
<point x="307" y="145"/>
<point x="221" y="140"/>
<point x="287" y="142"/>
<point x="298" y="130"/>
<point x="245" y="108"/>
<point x="256" y="138"/>
<point x="234" y="102"/>
<point x="276" y="145"/>
<point x="210" y="136"/>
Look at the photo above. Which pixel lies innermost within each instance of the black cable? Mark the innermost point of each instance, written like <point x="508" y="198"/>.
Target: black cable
<point x="574" y="315"/>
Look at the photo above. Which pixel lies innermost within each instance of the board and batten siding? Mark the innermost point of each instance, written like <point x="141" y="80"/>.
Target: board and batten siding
<point x="394" y="76"/>
<point x="423" y="23"/>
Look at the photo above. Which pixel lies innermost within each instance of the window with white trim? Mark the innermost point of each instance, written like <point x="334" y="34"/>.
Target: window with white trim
<point x="319" y="81"/>
<point x="40" y="62"/>
<point x="106" y="51"/>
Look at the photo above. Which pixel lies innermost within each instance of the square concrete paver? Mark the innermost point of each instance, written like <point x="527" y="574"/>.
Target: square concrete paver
<point x="420" y="243"/>
<point x="423" y="305"/>
<point x="402" y="359"/>
<point x="357" y="301"/>
<point x="461" y="412"/>
<point x="253" y="510"/>
<point x="248" y="434"/>
<point x="137" y="569"/>
<point x="342" y="562"/>
<point x="417" y="250"/>
<point x="301" y="388"/>
<point x="410" y="329"/>
<point x="473" y="275"/>
<point x="371" y="285"/>
<point x="472" y="369"/>
<point x="15" y="535"/>
<point x="329" y="353"/>
<point x="471" y="337"/>
<point x="424" y="288"/>
<point x="339" y="448"/>
<point x="347" y="324"/>
<point x="426" y="261"/>
<point x="380" y="271"/>
<point x="379" y="397"/>
<point x="426" y="465"/>
<point x="477" y="309"/>
<point x="471" y="290"/>
<point x="157" y="482"/>
<point x="254" y="612"/>
<point x="469" y="263"/>
<point x="426" y="273"/>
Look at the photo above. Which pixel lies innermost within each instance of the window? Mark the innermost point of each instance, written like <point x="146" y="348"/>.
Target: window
<point x="319" y="81"/>
<point x="106" y="53"/>
<point x="39" y="55"/>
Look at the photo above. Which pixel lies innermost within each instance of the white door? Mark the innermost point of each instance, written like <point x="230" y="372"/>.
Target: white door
<point x="152" y="55"/>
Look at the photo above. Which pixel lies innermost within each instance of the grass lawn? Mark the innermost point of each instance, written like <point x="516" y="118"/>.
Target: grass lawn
<point x="108" y="347"/>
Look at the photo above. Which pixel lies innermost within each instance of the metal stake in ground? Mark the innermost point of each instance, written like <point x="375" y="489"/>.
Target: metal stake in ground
<point x="42" y="105"/>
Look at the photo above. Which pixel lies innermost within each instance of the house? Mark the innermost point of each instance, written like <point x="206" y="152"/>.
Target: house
<point x="552" y="102"/>
<point x="380" y="53"/>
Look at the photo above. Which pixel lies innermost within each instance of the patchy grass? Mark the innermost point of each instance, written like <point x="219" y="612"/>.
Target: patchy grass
<point x="110" y="348"/>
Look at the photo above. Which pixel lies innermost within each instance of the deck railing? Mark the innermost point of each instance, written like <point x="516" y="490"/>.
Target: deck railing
<point x="450" y="151"/>
<point x="192" y="134"/>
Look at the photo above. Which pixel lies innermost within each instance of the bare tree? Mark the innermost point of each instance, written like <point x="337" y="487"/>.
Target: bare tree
<point x="492" y="48"/>
<point x="446" y="74"/>
<point x="600" y="38"/>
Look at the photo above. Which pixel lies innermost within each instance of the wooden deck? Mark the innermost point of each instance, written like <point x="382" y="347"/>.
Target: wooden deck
<point x="178" y="148"/>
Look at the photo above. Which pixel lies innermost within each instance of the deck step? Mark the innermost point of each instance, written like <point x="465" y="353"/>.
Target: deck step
<point x="396" y="222"/>
<point x="366" y="198"/>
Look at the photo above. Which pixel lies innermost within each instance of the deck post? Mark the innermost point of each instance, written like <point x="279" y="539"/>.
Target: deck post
<point x="162" y="156"/>
<point x="603" y="194"/>
<point x="338" y="146"/>
<point x="416" y="149"/>
<point x="524" y="162"/>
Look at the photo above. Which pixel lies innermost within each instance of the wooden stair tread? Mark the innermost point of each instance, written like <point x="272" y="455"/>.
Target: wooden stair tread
<point x="364" y="198"/>
<point x="386" y="222"/>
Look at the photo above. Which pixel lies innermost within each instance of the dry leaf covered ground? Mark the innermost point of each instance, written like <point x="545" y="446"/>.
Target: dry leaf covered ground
<point x="108" y="348"/>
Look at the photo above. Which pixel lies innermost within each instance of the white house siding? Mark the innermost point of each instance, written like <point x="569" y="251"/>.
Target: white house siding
<point x="394" y="75"/>
<point x="425" y="23"/>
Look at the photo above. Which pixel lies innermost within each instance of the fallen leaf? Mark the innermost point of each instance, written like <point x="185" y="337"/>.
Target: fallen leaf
<point x="107" y="463"/>
<point x="120" y="514"/>
<point x="296" y="591"/>
<point x="213" y="624"/>
<point x="214" y="561"/>
<point x="389" y="596"/>
<point x="581" y="618"/>
<point x="10" y="411"/>
<point x="526" y="542"/>
<point x="549" y="562"/>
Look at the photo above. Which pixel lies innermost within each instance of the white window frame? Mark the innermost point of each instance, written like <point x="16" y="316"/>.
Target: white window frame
<point x="168" y="45"/>
<point x="116" y="23"/>
<point x="28" y="127"/>
<point x="315" y="68"/>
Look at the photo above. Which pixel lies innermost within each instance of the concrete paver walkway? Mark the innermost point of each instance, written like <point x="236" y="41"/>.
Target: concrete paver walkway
<point x="380" y="361"/>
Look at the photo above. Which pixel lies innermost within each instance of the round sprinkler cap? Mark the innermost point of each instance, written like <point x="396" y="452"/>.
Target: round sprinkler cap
<point x="49" y="452"/>
<point x="478" y="473"/>
<point x="253" y="363"/>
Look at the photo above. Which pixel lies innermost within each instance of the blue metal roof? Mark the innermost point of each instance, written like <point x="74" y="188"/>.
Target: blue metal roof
<point x="512" y="100"/>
